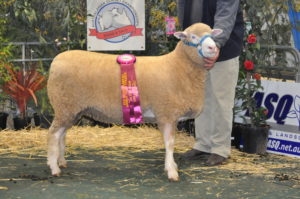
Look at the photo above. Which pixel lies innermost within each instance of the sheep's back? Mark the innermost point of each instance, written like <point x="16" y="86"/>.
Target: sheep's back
<point x="80" y="79"/>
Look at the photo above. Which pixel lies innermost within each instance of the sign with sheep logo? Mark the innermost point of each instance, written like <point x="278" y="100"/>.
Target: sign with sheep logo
<point x="115" y="25"/>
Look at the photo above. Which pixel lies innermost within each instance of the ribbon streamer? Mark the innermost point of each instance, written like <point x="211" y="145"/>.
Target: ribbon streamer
<point x="132" y="112"/>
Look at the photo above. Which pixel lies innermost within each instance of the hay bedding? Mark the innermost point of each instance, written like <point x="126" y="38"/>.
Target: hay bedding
<point x="120" y="140"/>
<point x="142" y="138"/>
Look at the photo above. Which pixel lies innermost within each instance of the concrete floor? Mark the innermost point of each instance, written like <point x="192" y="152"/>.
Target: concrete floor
<point x="124" y="173"/>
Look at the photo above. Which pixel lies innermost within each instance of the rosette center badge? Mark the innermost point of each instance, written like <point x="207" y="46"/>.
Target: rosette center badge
<point x="116" y="25"/>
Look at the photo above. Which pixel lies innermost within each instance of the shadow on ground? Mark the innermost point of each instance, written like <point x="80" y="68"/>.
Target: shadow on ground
<point x="130" y="173"/>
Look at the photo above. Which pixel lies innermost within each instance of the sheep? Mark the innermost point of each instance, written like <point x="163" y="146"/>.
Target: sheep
<point x="114" y="19"/>
<point x="171" y="88"/>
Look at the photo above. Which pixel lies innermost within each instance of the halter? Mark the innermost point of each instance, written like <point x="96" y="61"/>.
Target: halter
<point x="188" y="43"/>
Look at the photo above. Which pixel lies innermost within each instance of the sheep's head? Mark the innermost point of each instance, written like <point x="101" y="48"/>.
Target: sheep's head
<point x="198" y="41"/>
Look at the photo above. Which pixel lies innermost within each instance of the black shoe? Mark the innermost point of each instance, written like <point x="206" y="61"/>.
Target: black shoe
<point x="194" y="154"/>
<point x="215" y="159"/>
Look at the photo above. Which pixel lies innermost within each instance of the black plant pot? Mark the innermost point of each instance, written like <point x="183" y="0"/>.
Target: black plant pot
<point x="44" y="121"/>
<point x="21" y="123"/>
<point x="255" y="139"/>
<point x="3" y="119"/>
<point x="187" y="126"/>
<point x="37" y="119"/>
<point x="236" y="134"/>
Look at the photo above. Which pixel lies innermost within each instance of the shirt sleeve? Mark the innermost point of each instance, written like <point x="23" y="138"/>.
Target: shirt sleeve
<point x="180" y="11"/>
<point x="225" y="18"/>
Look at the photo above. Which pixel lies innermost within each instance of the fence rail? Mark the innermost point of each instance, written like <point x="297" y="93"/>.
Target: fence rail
<point x="283" y="72"/>
<point x="276" y="71"/>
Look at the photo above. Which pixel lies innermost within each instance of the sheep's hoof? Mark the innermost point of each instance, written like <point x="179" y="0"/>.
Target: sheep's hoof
<point x="62" y="164"/>
<point x="173" y="176"/>
<point x="174" y="179"/>
<point x="56" y="174"/>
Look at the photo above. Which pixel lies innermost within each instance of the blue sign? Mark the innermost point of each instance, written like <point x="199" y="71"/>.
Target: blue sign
<point x="282" y="100"/>
<point x="280" y="107"/>
<point x="295" y="19"/>
<point x="283" y="146"/>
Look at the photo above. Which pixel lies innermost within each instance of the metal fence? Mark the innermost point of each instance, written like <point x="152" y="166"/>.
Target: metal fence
<point x="30" y="52"/>
<point x="27" y="53"/>
<point x="289" y="71"/>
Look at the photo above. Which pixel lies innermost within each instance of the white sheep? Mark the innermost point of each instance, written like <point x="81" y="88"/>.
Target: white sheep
<point x="171" y="87"/>
<point x="112" y="18"/>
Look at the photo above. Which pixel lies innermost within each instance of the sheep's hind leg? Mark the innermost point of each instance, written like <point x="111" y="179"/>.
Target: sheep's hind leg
<point x="56" y="146"/>
<point x="62" y="163"/>
<point x="168" y="131"/>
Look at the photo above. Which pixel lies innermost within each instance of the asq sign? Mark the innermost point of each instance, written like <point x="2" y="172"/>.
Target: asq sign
<point x="282" y="99"/>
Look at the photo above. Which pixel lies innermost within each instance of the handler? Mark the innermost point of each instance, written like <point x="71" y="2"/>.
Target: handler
<point x="214" y="125"/>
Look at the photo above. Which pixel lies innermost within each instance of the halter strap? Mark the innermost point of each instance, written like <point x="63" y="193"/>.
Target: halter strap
<point x="203" y="38"/>
<point x="188" y="43"/>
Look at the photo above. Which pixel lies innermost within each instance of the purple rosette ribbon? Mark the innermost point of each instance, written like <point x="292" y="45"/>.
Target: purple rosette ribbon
<point x="132" y="112"/>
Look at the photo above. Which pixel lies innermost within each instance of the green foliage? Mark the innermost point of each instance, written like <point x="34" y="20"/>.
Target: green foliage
<point x="45" y="21"/>
<point x="156" y="26"/>
<point x="63" y="22"/>
<point x="247" y="86"/>
<point x="267" y="24"/>
<point x="269" y="21"/>
<point x="5" y="50"/>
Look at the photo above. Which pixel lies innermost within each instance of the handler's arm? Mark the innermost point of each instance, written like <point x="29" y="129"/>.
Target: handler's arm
<point x="225" y="17"/>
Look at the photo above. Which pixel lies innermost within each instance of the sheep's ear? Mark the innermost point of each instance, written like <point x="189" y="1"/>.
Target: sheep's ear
<point x="216" y="32"/>
<point x="181" y="35"/>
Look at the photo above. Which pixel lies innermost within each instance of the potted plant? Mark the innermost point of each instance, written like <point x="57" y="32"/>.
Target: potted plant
<point x="44" y="114"/>
<point x="254" y="131"/>
<point x="21" y="87"/>
<point x="3" y="115"/>
<point x="3" y="97"/>
<point x="5" y="55"/>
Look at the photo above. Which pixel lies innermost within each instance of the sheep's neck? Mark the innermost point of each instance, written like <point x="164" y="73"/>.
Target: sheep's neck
<point x="183" y="63"/>
<point x="192" y="74"/>
<point x="190" y="81"/>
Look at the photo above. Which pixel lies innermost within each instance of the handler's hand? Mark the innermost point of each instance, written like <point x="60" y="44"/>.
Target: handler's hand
<point x="209" y="62"/>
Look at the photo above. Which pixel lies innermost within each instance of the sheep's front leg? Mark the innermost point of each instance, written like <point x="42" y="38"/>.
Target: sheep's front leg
<point x="54" y="153"/>
<point x="168" y="131"/>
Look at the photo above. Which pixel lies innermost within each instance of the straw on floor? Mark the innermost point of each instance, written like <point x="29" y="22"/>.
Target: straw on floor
<point x="33" y="142"/>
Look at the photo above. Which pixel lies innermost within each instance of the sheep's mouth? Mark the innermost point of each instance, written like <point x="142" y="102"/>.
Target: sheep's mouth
<point x="210" y="54"/>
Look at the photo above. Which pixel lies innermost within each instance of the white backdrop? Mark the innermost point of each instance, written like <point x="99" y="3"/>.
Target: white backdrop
<point x="115" y="25"/>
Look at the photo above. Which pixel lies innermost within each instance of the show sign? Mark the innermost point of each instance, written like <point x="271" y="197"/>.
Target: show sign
<point x="115" y="25"/>
<point x="282" y="100"/>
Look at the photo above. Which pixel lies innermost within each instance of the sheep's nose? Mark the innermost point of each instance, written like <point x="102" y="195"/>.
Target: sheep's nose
<point x="211" y="47"/>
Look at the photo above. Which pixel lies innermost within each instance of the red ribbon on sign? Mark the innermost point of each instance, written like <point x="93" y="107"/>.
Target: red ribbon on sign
<point x="118" y="32"/>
